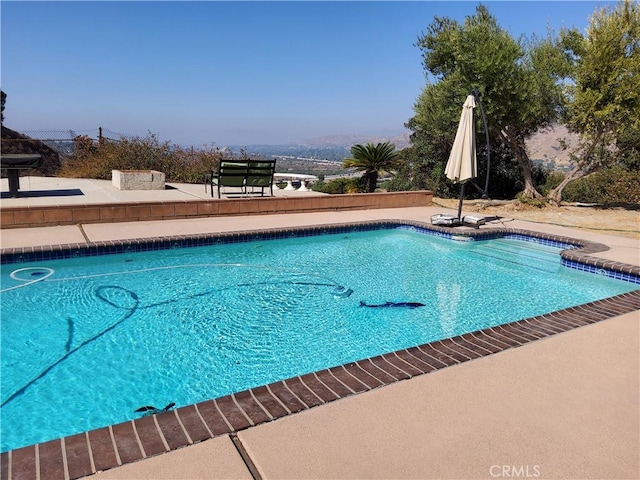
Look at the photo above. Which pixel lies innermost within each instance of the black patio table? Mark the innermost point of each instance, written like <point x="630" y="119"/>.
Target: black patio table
<point x="12" y="162"/>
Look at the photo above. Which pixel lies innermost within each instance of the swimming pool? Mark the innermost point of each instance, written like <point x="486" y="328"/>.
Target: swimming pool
<point x="295" y="299"/>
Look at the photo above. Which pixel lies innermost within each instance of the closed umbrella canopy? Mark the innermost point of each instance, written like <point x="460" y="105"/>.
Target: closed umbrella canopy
<point x="462" y="164"/>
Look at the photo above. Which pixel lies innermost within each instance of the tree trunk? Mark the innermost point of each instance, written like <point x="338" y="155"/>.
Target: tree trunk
<point x="555" y="195"/>
<point x="370" y="181"/>
<point x="584" y="166"/>
<point x="529" y="189"/>
<point x="518" y="149"/>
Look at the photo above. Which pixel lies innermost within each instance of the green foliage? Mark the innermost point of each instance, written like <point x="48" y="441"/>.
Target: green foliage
<point x="532" y="202"/>
<point x="605" y="99"/>
<point x="421" y="170"/>
<point x="372" y="160"/>
<point x="628" y="143"/>
<point x="318" y="185"/>
<point x="338" y="186"/>
<point x="421" y="166"/>
<point x="550" y="180"/>
<point x="519" y="83"/>
<point x="397" y="184"/>
<point x="610" y="186"/>
<point x="91" y="160"/>
<point x="523" y="86"/>
<point x="505" y="178"/>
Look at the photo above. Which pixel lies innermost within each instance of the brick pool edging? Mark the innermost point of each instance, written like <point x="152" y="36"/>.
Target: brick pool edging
<point x="86" y="453"/>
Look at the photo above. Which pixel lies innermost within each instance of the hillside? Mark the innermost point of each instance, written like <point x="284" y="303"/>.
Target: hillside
<point x="16" y="142"/>
<point x="400" y="141"/>
<point x="332" y="148"/>
<point x="544" y="148"/>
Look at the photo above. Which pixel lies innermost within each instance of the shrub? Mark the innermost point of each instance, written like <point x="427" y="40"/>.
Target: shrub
<point x="397" y="184"/>
<point x="532" y="202"/>
<point x="614" y="186"/>
<point x="551" y="181"/>
<point x="338" y="185"/>
<point x="92" y="160"/>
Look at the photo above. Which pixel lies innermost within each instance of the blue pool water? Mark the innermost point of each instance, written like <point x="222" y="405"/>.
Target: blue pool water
<point x="87" y="341"/>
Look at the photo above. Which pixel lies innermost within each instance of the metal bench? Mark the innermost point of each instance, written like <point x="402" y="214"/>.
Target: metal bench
<point x="244" y="174"/>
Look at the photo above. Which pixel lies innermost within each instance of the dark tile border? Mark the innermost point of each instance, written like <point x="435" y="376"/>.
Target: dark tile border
<point x="576" y="253"/>
<point x="101" y="449"/>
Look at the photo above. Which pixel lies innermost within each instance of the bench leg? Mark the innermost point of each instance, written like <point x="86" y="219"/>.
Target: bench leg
<point x="14" y="181"/>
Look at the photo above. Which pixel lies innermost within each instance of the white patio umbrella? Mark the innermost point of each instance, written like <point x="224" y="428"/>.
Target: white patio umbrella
<point x="462" y="164"/>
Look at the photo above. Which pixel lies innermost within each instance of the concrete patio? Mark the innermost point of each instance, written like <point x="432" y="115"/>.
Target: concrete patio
<point x="567" y="406"/>
<point x="67" y="201"/>
<point x="74" y="191"/>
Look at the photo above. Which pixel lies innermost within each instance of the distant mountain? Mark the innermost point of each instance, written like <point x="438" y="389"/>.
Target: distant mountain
<point x="333" y="148"/>
<point x="400" y="140"/>
<point x="333" y="153"/>
<point x="544" y="147"/>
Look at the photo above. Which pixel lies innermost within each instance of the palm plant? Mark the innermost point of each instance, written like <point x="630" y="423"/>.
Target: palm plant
<point x="372" y="160"/>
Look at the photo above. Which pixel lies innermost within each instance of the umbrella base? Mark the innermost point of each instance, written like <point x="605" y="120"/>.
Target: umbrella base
<point x="473" y="221"/>
<point x="448" y="220"/>
<point x="445" y="219"/>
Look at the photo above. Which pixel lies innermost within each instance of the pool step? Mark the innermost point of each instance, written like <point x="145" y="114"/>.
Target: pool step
<point x="527" y="254"/>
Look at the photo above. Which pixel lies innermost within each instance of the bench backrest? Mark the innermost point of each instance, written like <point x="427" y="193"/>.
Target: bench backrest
<point x="252" y="173"/>
<point x="232" y="174"/>
<point x="260" y="173"/>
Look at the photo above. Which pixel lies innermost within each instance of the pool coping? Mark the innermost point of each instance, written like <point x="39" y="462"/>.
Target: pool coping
<point x="104" y="448"/>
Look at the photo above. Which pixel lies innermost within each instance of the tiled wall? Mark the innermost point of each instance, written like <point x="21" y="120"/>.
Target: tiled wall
<point x="40" y="216"/>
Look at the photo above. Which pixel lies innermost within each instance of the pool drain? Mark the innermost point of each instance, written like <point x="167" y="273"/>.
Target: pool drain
<point x="342" y="292"/>
<point x="29" y="275"/>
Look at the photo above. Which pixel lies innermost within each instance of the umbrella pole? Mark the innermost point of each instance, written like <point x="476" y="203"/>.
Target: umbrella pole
<point x="460" y="204"/>
<point x="476" y="94"/>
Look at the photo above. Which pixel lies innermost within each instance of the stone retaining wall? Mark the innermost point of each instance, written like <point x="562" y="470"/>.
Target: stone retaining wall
<point x="42" y="216"/>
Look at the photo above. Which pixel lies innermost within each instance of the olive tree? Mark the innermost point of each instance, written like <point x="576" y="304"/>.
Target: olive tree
<point x="517" y="80"/>
<point x="604" y="100"/>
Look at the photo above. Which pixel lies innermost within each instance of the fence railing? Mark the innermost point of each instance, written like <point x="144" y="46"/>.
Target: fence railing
<point x="62" y="141"/>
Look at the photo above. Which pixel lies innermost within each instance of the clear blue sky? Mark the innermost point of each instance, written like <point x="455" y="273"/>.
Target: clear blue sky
<point x="231" y="73"/>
